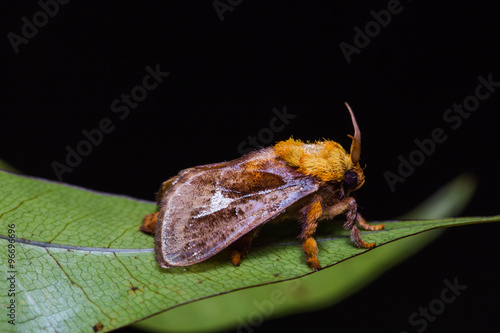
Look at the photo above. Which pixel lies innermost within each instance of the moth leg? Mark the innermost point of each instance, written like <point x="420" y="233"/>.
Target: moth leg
<point x="362" y="222"/>
<point x="309" y="222"/>
<point x="339" y="208"/>
<point x="239" y="248"/>
<point x="349" y="207"/>
<point x="356" y="238"/>
<point x="149" y="223"/>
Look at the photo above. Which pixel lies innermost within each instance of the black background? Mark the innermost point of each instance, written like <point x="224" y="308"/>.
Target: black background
<point x="225" y="79"/>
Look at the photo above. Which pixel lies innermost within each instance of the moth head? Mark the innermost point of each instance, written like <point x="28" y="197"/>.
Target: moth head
<point x="354" y="177"/>
<point x="326" y="160"/>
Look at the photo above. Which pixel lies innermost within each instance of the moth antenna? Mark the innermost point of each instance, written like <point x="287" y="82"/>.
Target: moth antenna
<point x="356" y="139"/>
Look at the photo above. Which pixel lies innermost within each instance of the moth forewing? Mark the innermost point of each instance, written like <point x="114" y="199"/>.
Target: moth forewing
<point x="207" y="209"/>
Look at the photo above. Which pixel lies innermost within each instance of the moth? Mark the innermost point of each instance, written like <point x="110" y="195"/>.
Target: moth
<point x="208" y="208"/>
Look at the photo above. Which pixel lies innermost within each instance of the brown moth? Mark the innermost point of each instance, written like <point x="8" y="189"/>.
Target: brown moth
<point x="207" y="208"/>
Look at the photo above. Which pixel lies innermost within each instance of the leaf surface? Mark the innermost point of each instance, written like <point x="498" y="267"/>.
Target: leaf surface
<point x="80" y="260"/>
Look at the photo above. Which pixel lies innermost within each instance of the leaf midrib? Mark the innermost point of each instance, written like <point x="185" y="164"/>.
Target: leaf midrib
<point x="443" y="223"/>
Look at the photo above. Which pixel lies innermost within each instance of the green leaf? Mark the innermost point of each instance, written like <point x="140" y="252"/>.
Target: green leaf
<point x="80" y="259"/>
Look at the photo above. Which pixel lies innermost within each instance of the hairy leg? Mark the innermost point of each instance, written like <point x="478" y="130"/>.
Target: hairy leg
<point x="309" y="222"/>
<point x="349" y="207"/>
<point x="330" y="212"/>
<point x="356" y="238"/>
<point x="362" y="222"/>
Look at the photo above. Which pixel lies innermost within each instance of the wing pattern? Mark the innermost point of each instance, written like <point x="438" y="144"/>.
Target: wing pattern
<point x="209" y="207"/>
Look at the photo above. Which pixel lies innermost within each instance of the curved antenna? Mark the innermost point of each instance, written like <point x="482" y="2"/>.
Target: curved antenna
<point x="356" y="139"/>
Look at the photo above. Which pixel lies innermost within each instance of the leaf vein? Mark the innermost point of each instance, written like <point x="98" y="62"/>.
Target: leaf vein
<point x="76" y="284"/>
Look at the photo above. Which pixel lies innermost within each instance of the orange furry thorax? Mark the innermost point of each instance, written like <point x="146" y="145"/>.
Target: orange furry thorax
<point x="326" y="160"/>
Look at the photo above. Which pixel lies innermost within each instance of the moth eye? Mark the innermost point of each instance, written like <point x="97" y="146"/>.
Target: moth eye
<point x="350" y="179"/>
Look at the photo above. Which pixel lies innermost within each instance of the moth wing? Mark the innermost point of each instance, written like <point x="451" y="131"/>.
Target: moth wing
<point x="169" y="182"/>
<point x="208" y="207"/>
